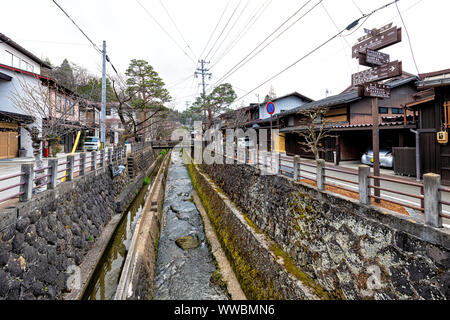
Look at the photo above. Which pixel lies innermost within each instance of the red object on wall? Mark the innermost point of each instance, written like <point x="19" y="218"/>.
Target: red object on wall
<point x="46" y="152"/>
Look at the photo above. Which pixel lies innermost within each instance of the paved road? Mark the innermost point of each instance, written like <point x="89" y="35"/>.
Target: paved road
<point x="395" y="196"/>
<point x="8" y="168"/>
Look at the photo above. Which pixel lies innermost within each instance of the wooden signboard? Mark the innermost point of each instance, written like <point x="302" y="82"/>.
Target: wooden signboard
<point x="382" y="40"/>
<point x="373" y="58"/>
<point x="376" y="90"/>
<point x="390" y="70"/>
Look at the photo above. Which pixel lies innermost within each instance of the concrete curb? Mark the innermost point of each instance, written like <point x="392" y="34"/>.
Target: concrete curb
<point x="233" y="286"/>
<point x="142" y="253"/>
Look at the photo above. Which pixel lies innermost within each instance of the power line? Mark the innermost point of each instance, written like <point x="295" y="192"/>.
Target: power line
<point x="409" y="39"/>
<point x="334" y="22"/>
<point x="357" y="7"/>
<point x="252" y="21"/>
<point x="81" y="30"/>
<point x="349" y="27"/>
<point x="224" y="28"/>
<point x="229" y="31"/>
<point x="164" y="30"/>
<point x="89" y="39"/>
<point x="342" y="38"/>
<point x="176" y="27"/>
<point x="244" y="61"/>
<point x="217" y="25"/>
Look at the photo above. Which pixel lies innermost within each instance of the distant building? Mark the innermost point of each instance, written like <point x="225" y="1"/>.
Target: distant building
<point x="16" y="65"/>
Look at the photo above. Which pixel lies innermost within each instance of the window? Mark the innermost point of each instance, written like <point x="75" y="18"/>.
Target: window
<point x="58" y="103"/>
<point x="16" y="62"/>
<point x="71" y="107"/>
<point x="9" y="58"/>
<point x="383" y="110"/>
<point x="29" y="67"/>
<point x="291" y="122"/>
<point x="397" y="111"/>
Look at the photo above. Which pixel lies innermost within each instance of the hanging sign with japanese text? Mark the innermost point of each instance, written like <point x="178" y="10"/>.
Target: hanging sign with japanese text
<point x="390" y="70"/>
<point x="376" y="90"/>
<point x="379" y="41"/>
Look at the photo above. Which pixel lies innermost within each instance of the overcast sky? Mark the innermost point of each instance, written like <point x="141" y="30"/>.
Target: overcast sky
<point x="131" y="33"/>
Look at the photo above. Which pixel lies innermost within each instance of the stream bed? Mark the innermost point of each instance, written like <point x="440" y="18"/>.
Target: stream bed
<point x="184" y="274"/>
<point x="106" y="277"/>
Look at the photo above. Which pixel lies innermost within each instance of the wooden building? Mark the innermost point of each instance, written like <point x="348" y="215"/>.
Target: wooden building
<point x="349" y="120"/>
<point x="432" y="103"/>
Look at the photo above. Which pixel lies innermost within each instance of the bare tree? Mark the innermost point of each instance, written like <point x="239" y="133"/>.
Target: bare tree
<point x="129" y="115"/>
<point x="51" y="121"/>
<point x="316" y="131"/>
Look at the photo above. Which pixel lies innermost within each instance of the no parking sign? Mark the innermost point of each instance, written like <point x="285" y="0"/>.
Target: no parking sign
<point x="270" y="108"/>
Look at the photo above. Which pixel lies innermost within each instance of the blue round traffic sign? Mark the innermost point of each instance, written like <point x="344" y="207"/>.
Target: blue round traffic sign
<point x="270" y="108"/>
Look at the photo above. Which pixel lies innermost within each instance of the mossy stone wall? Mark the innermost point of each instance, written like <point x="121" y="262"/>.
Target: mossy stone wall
<point x="344" y="249"/>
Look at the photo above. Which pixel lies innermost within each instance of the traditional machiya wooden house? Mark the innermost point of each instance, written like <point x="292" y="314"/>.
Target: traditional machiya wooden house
<point x="432" y="104"/>
<point x="349" y="121"/>
<point x="282" y="104"/>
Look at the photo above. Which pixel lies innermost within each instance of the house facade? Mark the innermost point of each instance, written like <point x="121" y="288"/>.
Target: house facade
<point x="18" y="67"/>
<point x="432" y="104"/>
<point x="284" y="104"/>
<point x="349" y="122"/>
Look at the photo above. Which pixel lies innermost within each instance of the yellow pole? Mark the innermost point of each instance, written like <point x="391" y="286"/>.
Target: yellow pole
<point x="77" y="140"/>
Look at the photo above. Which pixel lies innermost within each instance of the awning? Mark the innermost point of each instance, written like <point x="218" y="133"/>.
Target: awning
<point x="5" y="77"/>
<point x="16" y="117"/>
<point x="421" y="101"/>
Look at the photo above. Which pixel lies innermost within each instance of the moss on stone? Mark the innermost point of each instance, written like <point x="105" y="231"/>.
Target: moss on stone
<point x="254" y="285"/>
<point x="303" y="277"/>
<point x="251" y="224"/>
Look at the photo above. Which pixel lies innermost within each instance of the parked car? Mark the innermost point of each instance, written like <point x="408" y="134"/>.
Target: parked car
<point x="386" y="158"/>
<point x="92" y="144"/>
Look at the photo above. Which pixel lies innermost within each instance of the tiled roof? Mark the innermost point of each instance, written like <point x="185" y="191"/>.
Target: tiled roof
<point x="346" y="97"/>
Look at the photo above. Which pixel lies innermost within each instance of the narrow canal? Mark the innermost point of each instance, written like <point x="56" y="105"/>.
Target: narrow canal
<point x="106" y="277"/>
<point x="185" y="268"/>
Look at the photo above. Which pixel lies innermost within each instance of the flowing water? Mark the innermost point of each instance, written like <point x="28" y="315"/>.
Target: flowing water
<point x="106" y="278"/>
<point x="183" y="274"/>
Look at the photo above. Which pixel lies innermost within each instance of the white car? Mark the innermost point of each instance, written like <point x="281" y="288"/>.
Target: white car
<point x="92" y="144"/>
<point x="386" y="158"/>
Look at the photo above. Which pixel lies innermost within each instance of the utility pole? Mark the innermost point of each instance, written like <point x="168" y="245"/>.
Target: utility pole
<point x="376" y="147"/>
<point x="203" y="72"/>
<point x="103" y="114"/>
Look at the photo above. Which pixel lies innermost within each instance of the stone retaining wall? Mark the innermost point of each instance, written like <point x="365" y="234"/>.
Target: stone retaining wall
<point x="342" y="249"/>
<point x="55" y="230"/>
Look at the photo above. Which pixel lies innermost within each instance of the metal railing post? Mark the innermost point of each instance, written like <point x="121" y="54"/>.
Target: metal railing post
<point x="53" y="172"/>
<point x="93" y="160"/>
<point x="70" y="166"/>
<point x="296" y="168"/>
<point x="27" y="179"/>
<point x="321" y="174"/>
<point x="363" y="185"/>
<point x="82" y="164"/>
<point x="432" y="201"/>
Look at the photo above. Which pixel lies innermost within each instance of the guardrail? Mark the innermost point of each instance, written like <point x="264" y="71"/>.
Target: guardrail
<point x="31" y="180"/>
<point x="425" y="197"/>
